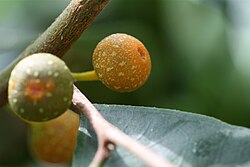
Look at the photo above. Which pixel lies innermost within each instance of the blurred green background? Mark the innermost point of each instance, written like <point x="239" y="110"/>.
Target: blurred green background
<point x="199" y="51"/>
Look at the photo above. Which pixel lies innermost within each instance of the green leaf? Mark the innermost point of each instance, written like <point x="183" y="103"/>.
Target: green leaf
<point x="186" y="139"/>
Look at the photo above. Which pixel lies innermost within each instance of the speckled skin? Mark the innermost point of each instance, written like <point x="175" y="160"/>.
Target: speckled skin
<point x="40" y="87"/>
<point x="54" y="141"/>
<point x="121" y="62"/>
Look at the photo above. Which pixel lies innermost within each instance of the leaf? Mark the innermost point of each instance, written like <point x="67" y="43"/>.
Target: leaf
<point x="186" y="139"/>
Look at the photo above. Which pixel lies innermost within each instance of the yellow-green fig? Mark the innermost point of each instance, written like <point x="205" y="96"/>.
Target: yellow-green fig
<point x="40" y="87"/>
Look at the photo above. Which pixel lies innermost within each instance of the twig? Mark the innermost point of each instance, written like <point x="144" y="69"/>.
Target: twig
<point x="59" y="37"/>
<point x="109" y="136"/>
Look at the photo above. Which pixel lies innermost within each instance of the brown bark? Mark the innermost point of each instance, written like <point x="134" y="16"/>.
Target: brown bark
<point x="59" y="37"/>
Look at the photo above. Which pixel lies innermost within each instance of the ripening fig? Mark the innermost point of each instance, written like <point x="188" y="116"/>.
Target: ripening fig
<point x="121" y="62"/>
<point x="40" y="87"/>
<point x="54" y="141"/>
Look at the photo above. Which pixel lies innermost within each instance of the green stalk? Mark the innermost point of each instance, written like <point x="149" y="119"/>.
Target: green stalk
<point x="85" y="76"/>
